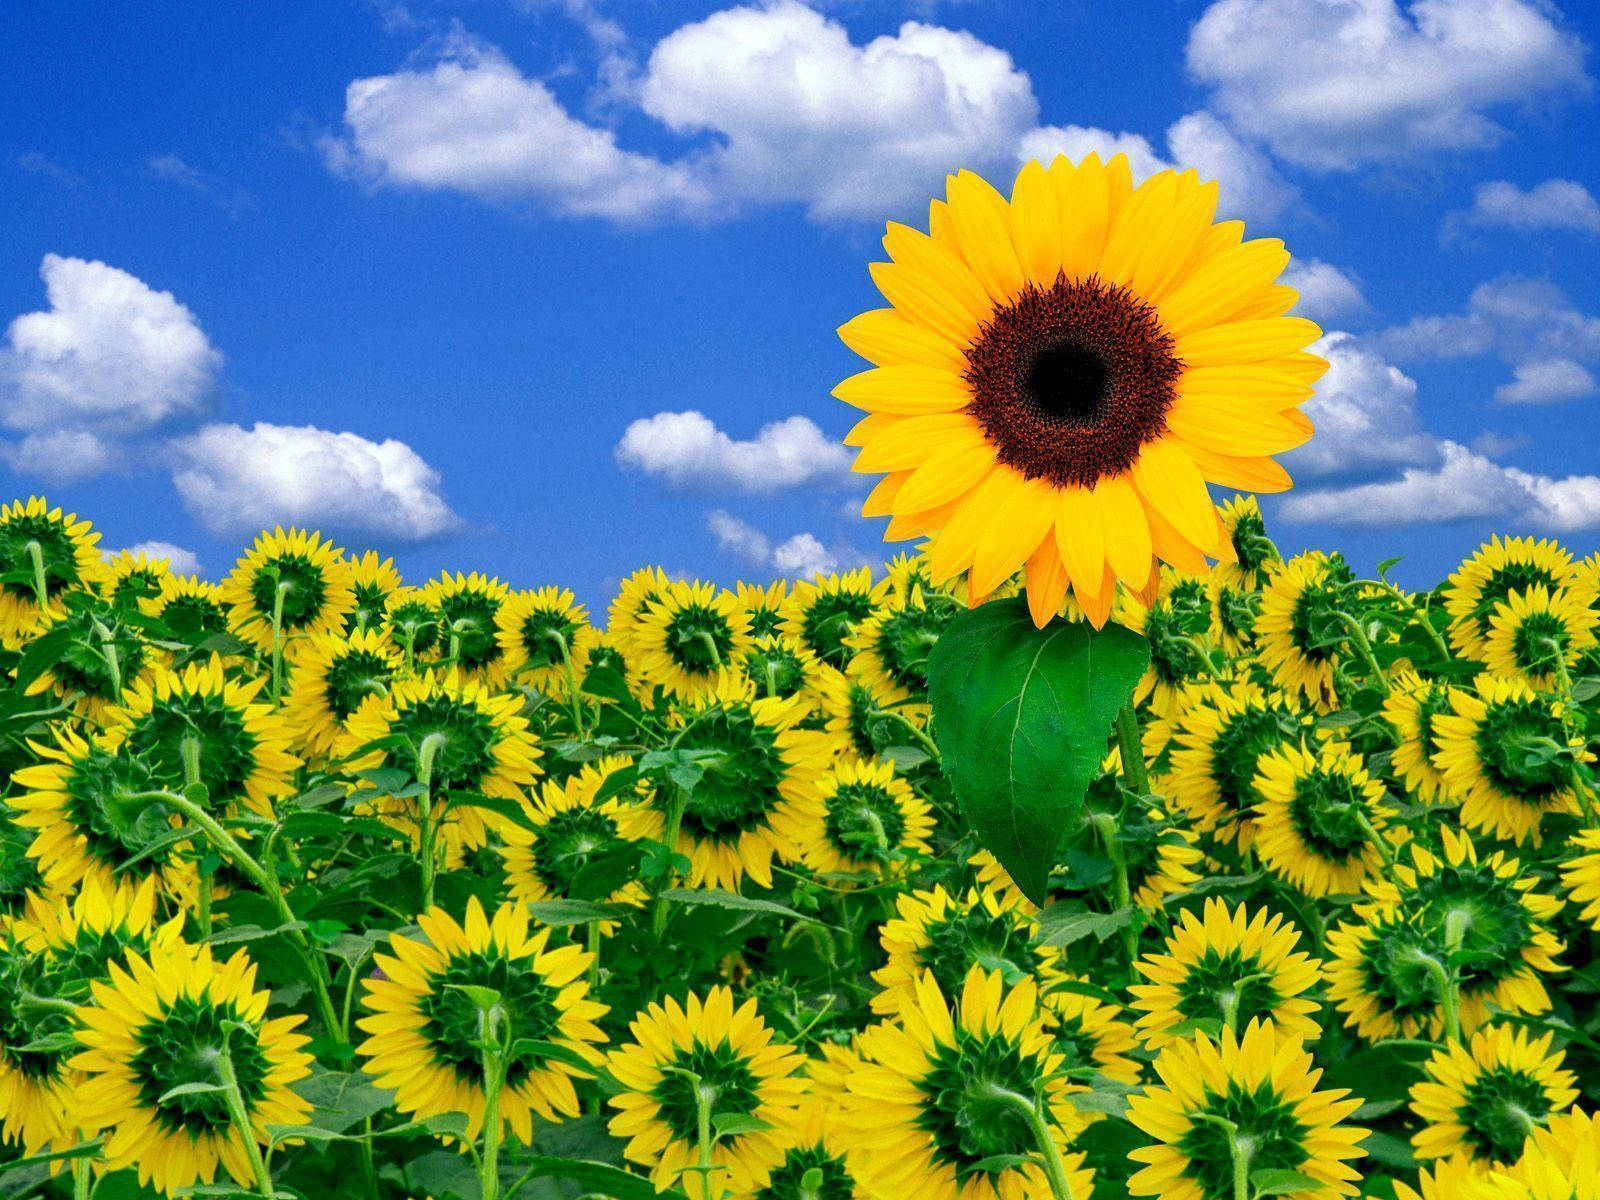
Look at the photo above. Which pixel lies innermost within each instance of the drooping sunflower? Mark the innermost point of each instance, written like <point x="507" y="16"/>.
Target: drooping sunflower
<point x="935" y="933"/>
<point x="481" y="744"/>
<point x="904" y="573"/>
<point x="779" y="666"/>
<point x="1059" y="376"/>
<point x="891" y="646"/>
<point x="1504" y="940"/>
<point x="1255" y="557"/>
<point x="73" y="798"/>
<point x="933" y="1105"/>
<point x="1580" y="875"/>
<point x="161" y="1020"/>
<point x="1176" y="624"/>
<point x="1410" y="708"/>
<point x="763" y="603"/>
<point x="101" y="654"/>
<point x="822" y="614"/>
<point x="1560" y="1161"/>
<point x="1485" y="757"/>
<point x="705" y="1046"/>
<point x="1483" y="1100"/>
<point x="691" y="640"/>
<point x="1219" y="742"/>
<point x="424" y="1027"/>
<point x="1321" y="818"/>
<point x="1380" y="974"/>
<point x="413" y="625"/>
<point x="295" y="582"/>
<point x="1298" y="637"/>
<point x="468" y="607"/>
<point x="191" y="608"/>
<point x="545" y="633"/>
<point x="333" y="674"/>
<point x="634" y="597"/>
<point x="373" y="580"/>
<point x="1233" y="966"/>
<point x="241" y="749"/>
<point x="576" y="822"/>
<point x="1489" y="576"/>
<point x="1252" y="1094"/>
<point x="858" y="817"/>
<point x="1538" y="635"/>
<point x="762" y="767"/>
<point x="132" y="577"/>
<point x="44" y="553"/>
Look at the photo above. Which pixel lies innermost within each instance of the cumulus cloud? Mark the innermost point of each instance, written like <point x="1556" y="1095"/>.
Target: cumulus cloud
<point x="800" y="556"/>
<point x="1365" y="412"/>
<point x="1547" y="381"/>
<point x="738" y="538"/>
<point x="687" y="450"/>
<point x="803" y="556"/>
<point x="180" y="560"/>
<point x="235" y="480"/>
<point x="110" y="359"/>
<point x="1326" y="292"/>
<point x="1331" y="84"/>
<point x="1562" y="204"/>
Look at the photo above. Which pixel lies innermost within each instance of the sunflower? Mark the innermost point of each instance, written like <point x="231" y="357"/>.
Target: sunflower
<point x="1489" y="576"/>
<point x="99" y="656"/>
<point x="43" y="554"/>
<point x="1321" y="818"/>
<point x="37" y="1088"/>
<point x="1560" y="1161"/>
<point x="892" y="645"/>
<point x="763" y="604"/>
<point x="468" y="607"/>
<point x="705" y="1052"/>
<point x="22" y="883"/>
<point x="190" y="608"/>
<point x="295" y="583"/>
<point x="1538" y="635"/>
<point x="691" y="640"/>
<point x="1492" y="907"/>
<point x="934" y="933"/>
<point x="1410" y="708"/>
<point x="480" y="743"/>
<point x="1448" y="1179"/>
<point x="1580" y="875"/>
<point x="73" y="799"/>
<point x="779" y="666"/>
<point x="1060" y="375"/>
<point x="425" y="1026"/>
<point x="132" y="577"/>
<point x="818" y="1163"/>
<point x="935" y="1105"/>
<point x="545" y="633"/>
<point x="1484" y="1099"/>
<point x="1381" y="974"/>
<point x="413" y="625"/>
<point x="575" y="822"/>
<point x="1219" y="743"/>
<point x="333" y="674"/>
<point x="860" y="818"/>
<point x="1502" y="751"/>
<point x="198" y="719"/>
<point x="1251" y="1097"/>
<point x="1254" y="554"/>
<point x="1298" y="637"/>
<point x="1091" y="1035"/>
<point x="175" y="1017"/>
<point x="1234" y="608"/>
<point x="634" y="597"/>
<point x="1176" y="625"/>
<point x="373" y="581"/>
<point x="1230" y="966"/>
<point x="823" y="614"/>
<point x="865" y="717"/>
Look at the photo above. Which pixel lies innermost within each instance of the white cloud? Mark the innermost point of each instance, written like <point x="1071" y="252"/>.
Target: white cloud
<point x="1518" y="319"/>
<point x="236" y="481"/>
<point x="1365" y="413"/>
<point x="1326" y="292"/>
<point x="687" y="450"/>
<point x="803" y="556"/>
<point x="1076" y="141"/>
<point x="1547" y="381"/>
<point x="800" y="556"/>
<point x="231" y="199"/>
<point x="110" y="359"/>
<point x="1553" y="204"/>
<point x="738" y="538"/>
<point x="180" y="560"/>
<point x="1334" y="83"/>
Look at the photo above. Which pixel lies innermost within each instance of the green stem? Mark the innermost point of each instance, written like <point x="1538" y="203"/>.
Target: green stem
<point x="1032" y="1111"/>
<point x="680" y="801"/>
<point x="705" y="1099"/>
<point x="917" y="735"/>
<point x="1449" y="998"/>
<point x="703" y="636"/>
<point x="82" y="1178"/>
<point x="41" y="589"/>
<point x="1420" y="615"/>
<point x="1130" y="747"/>
<point x="427" y="851"/>
<point x="494" y="1078"/>
<point x="239" y="1115"/>
<point x="108" y="655"/>
<point x="1108" y="831"/>
<point x="278" y="595"/>
<point x="573" y="699"/>
<point x="1363" y="645"/>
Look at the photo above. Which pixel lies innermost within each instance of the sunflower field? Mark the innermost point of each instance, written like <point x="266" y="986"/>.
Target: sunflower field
<point x="1050" y="862"/>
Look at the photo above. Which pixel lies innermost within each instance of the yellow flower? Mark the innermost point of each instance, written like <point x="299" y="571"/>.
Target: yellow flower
<point x="1411" y="707"/>
<point x="1297" y="637"/>
<point x="294" y="582"/>
<point x="690" y="640"/>
<point x="1320" y="819"/>
<point x="637" y="593"/>
<point x="191" y="608"/>
<point x="43" y="551"/>
<point x="132" y="578"/>
<point x="859" y="815"/>
<point x="333" y="674"/>
<point x="763" y="604"/>
<point x="1498" y="568"/>
<point x="1060" y="374"/>
<point x="545" y="634"/>
<point x="1380" y="974"/>
<point x="1580" y="875"/>
<point x="1561" y="1161"/>
<point x="1539" y="634"/>
<point x="1219" y="742"/>
<point x="824" y="613"/>
<point x="468" y="607"/>
<point x="424" y="1027"/>
<point x="373" y="581"/>
<point x="1484" y="1099"/>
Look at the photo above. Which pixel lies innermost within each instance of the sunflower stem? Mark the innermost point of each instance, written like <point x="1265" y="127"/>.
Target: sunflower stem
<point x="493" y="1032"/>
<point x="278" y="595"/>
<point x="1420" y="615"/>
<point x="917" y="735"/>
<point x="1130" y="749"/>
<point x="82" y="1178"/>
<point x="705" y="1099"/>
<point x="1109" y="831"/>
<point x="41" y="590"/>
<point x="1241" y="1150"/>
<point x="1032" y="1111"/>
<point x="239" y="1115"/>
<point x="1449" y="998"/>
<point x="1363" y="645"/>
<point x="108" y="655"/>
<point x="427" y="850"/>
<point x="573" y="700"/>
<point x="704" y="637"/>
<point x="680" y="801"/>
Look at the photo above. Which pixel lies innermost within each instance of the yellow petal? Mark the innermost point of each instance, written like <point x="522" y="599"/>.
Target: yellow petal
<point x="1172" y="485"/>
<point x="1014" y="531"/>
<point x="1081" y="535"/>
<point x="1046" y="581"/>
<point x="923" y="301"/>
<point x="1167" y="236"/>
<point x="1036" y="224"/>
<point x="914" y="249"/>
<point x="949" y="473"/>
<point x="908" y="389"/>
<point x="1262" y="383"/>
<point x="1218" y="288"/>
<point x="880" y="500"/>
<point x="1244" y="474"/>
<point x="956" y="544"/>
<point x="982" y="228"/>
<point x="1245" y="341"/>
<point x="1127" y="530"/>
<point x="884" y="337"/>
<point x="1234" y="428"/>
<point x="1085" y="212"/>
<point x="911" y="441"/>
<point x="1172" y="547"/>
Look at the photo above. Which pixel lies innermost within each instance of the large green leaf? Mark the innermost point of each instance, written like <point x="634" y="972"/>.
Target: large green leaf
<point x="1022" y="718"/>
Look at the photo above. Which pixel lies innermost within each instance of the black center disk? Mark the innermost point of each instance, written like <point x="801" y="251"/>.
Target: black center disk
<point x="1070" y="382"/>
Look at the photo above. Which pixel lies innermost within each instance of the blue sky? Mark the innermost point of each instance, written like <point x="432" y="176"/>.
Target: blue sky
<point x="412" y="273"/>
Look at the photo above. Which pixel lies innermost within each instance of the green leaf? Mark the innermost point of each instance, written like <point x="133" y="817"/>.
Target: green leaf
<point x="1277" y="1181"/>
<point x="1060" y="925"/>
<point x="738" y="1124"/>
<point x="717" y="898"/>
<point x="191" y="1089"/>
<point x="1022" y="718"/>
<point x="597" y="1177"/>
<point x="574" y="912"/>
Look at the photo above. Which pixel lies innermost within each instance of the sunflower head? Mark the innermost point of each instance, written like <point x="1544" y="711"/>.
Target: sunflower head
<point x="133" y="577"/>
<point x="1176" y="624"/>
<point x="468" y="608"/>
<point x="576" y="822"/>
<point x="779" y="666"/>
<point x="1538" y="635"/>
<point x="861" y="817"/>
<point x="636" y="594"/>
<point x="691" y="640"/>
<point x="1219" y="742"/>
<point x="190" y="608"/>
<point x="824" y="613"/>
<point x="891" y="647"/>
<point x="1490" y="576"/>
<point x="373" y="580"/>
<point x="333" y="674"/>
<point x="1299" y="634"/>
<point x="44" y="553"/>
<point x="98" y="654"/>
<point x="763" y="605"/>
<point x="1321" y="818"/>
<point x="1381" y="974"/>
<point x="545" y="634"/>
<point x="1410" y="708"/>
<point x="292" y="581"/>
<point x="1255" y="555"/>
<point x="413" y="623"/>
<point x="35" y="1045"/>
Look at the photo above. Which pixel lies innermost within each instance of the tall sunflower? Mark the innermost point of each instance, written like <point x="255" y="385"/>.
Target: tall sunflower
<point x="468" y="609"/>
<point x="1254" y="554"/>
<point x="1538" y="635"/>
<point x="705" y="1052"/>
<point x="413" y="625"/>
<point x="818" y="1163"/>
<point x="1484" y="1099"/>
<point x="779" y="666"/>
<point x="935" y="1105"/>
<point x="1233" y="966"/>
<point x="1058" y="377"/>
<point x="132" y="577"/>
<point x="1321" y="818"/>
<point x="424" y="1027"/>
<point x="44" y="553"/>
<point x="101" y="654"/>
<point x="37" y="1087"/>
<point x="763" y="603"/>
<point x="1176" y="624"/>
<point x="892" y="645"/>
<point x="373" y="580"/>
<point x="333" y="674"/>
<point x="1298" y="637"/>
<point x="824" y="613"/>
<point x="1219" y="743"/>
<point x="634" y="597"/>
<point x="1251" y="1095"/>
<point x="1380" y="974"/>
<point x="191" y="608"/>
<point x="1489" y="576"/>
<point x="293" y="581"/>
<point x="173" y="1017"/>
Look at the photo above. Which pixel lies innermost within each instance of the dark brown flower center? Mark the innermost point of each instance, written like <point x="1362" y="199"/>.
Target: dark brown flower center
<point x="1069" y="382"/>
